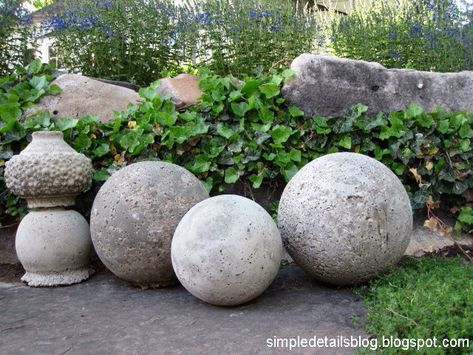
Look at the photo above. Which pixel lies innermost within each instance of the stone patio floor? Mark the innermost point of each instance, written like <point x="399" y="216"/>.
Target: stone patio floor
<point x="105" y="315"/>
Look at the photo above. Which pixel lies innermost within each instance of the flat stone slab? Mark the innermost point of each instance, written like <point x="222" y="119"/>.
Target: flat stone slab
<point x="108" y="316"/>
<point x="326" y="85"/>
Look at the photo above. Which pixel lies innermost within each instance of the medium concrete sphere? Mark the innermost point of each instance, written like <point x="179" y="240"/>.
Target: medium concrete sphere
<point x="226" y="250"/>
<point x="134" y="216"/>
<point x="344" y="218"/>
<point x="54" y="247"/>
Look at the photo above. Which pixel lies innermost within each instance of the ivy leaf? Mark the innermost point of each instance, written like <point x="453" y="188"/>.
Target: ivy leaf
<point x="166" y="118"/>
<point x="269" y="90"/>
<point x="101" y="150"/>
<point x="413" y="110"/>
<point x="54" y="89"/>
<point x="289" y="172"/>
<point x="466" y="215"/>
<point x="225" y="131"/>
<point x="287" y="73"/>
<point x="295" y="111"/>
<point x="131" y="140"/>
<point x="295" y="155"/>
<point x="256" y="180"/>
<point x="465" y="131"/>
<point x="82" y="143"/>
<point x="10" y="110"/>
<point x="231" y="176"/>
<point x="280" y="134"/>
<point x="465" y="144"/>
<point x="39" y="82"/>
<point x="250" y="87"/>
<point x="345" y="142"/>
<point x="443" y="126"/>
<point x="101" y="175"/>
<point x="39" y="119"/>
<point x="64" y="124"/>
<point x="201" y="164"/>
<point x="240" y="108"/>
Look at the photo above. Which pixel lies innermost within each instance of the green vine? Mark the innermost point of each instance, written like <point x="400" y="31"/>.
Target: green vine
<point x="245" y="132"/>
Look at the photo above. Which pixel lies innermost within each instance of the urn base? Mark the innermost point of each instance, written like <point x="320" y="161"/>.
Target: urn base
<point x="36" y="279"/>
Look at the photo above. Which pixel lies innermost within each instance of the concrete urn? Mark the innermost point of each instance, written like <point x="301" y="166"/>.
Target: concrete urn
<point x="52" y="243"/>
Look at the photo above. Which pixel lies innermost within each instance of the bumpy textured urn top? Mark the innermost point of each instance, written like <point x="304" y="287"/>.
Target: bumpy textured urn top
<point x="344" y="218"/>
<point x="48" y="172"/>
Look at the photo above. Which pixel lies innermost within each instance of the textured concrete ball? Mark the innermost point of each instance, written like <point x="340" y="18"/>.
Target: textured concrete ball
<point x="344" y="218"/>
<point x="226" y="250"/>
<point x="134" y="216"/>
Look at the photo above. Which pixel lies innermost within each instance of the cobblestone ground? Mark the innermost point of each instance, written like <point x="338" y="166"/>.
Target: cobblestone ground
<point x="105" y="315"/>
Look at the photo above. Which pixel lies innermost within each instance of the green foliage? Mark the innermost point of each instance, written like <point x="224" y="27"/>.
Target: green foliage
<point x="423" y="299"/>
<point x="136" y="41"/>
<point x="19" y="91"/>
<point x="17" y="42"/>
<point x="422" y="34"/>
<point x="244" y="131"/>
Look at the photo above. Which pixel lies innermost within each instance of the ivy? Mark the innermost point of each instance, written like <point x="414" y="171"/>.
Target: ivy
<point x="245" y="132"/>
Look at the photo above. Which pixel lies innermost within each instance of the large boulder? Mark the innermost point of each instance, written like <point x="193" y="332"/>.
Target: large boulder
<point x="183" y="89"/>
<point x="83" y="96"/>
<point x="325" y="85"/>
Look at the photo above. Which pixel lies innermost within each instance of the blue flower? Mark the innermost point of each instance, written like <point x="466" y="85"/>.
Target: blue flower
<point x="204" y="18"/>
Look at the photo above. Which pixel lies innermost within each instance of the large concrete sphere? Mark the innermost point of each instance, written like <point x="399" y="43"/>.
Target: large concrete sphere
<point x="226" y="250"/>
<point x="134" y="216"/>
<point x="344" y="218"/>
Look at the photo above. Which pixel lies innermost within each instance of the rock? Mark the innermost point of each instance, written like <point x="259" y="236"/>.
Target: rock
<point x="134" y="216"/>
<point x="54" y="247"/>
<point x="344" y="218"/>
<point x="83" y="96"/>
<point x="426" y="242"/>
<point x="184" y="90"/>
<point x="226" y="250"/>
<point x="325" y="85"/>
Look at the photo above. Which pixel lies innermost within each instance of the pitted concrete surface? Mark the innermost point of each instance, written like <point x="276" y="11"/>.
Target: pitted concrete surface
<point x="105" y="315"/>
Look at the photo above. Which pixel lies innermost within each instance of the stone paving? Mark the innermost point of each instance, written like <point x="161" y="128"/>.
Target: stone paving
<point x="105" y="315"/>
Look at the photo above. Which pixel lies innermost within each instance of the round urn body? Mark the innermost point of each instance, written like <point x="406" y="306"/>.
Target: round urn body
<point x="54" y="247"/>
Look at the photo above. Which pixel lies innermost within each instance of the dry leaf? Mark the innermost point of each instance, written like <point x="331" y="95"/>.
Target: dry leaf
<point x="431" y="204"/>
<point x="429" y="165"/>
<point x="416" y="175"/>
<point x="431" y="224"/>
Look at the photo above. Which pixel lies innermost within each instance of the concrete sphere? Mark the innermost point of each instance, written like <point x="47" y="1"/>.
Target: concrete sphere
<point x="226" y="250"/>
<point x="344" y="218"/>
<point x="134" y="216"/>
<point x="54" y="247"/>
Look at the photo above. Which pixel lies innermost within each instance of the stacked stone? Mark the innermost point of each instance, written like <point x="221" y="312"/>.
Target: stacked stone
<point x="53" y="243"/>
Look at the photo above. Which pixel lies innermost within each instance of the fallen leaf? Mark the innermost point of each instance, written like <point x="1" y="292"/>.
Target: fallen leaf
<point x="431" y="224"/>
<point x="431" y="204"/>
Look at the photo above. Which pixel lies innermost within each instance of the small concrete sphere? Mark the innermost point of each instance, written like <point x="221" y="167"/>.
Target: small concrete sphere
<point x="54" y="247"/>
<point x="134" y="216"/>
<point x="226" y="250"/>
<point x="345" y="218"/>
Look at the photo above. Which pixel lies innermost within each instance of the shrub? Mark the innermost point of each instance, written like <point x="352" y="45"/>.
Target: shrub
<point x="137" y="40"/>
<point x="16" y="36"/>
<point x="422" y="34"/>
<point x="244" y="131"/>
